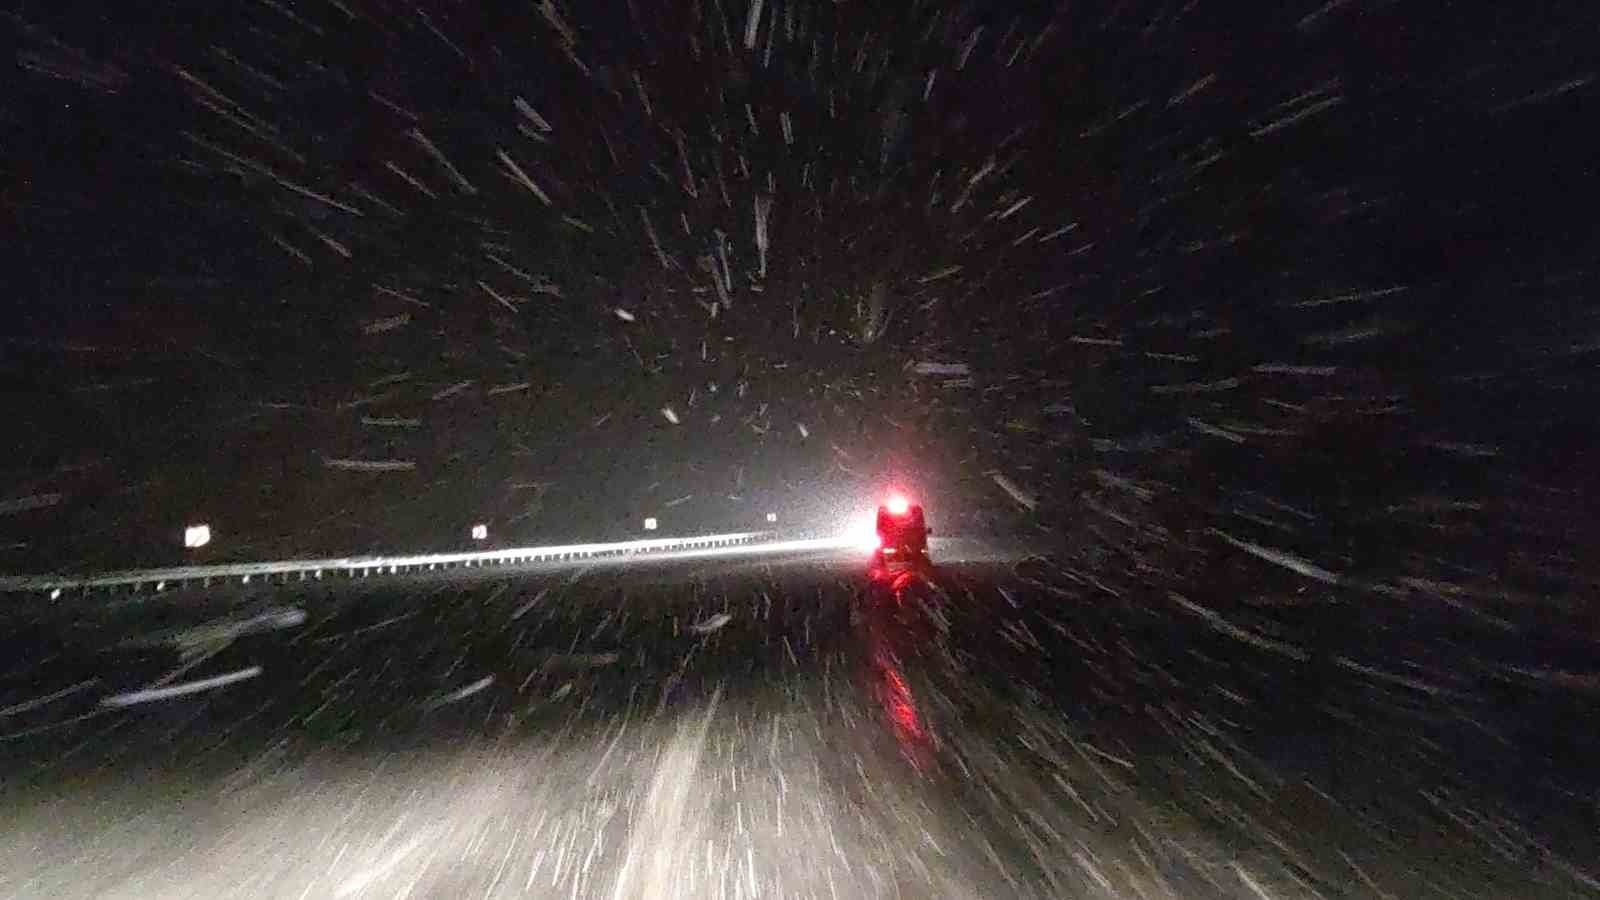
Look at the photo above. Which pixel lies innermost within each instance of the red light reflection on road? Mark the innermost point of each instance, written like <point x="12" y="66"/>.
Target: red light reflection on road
<point x="896" y="580"/>
<point x="900" y="705"/>
<point x="887" y="679"/>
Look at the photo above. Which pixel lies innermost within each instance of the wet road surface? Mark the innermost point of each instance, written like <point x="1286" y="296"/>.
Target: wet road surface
<point x="792" y="728"/>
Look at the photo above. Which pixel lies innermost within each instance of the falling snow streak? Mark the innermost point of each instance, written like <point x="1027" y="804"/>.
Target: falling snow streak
<point x="152" y="695"/>
<point x="15" y="505"/>
<point x="522" y="177"/>
<point x="370" y="465"/>
<point x="274" y="176"/>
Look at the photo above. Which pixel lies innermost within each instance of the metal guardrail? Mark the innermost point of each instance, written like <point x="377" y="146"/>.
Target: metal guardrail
<point x="284" y="571"/>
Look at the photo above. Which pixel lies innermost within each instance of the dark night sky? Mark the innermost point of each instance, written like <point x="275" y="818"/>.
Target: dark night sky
<point x="1317" y="280"/>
